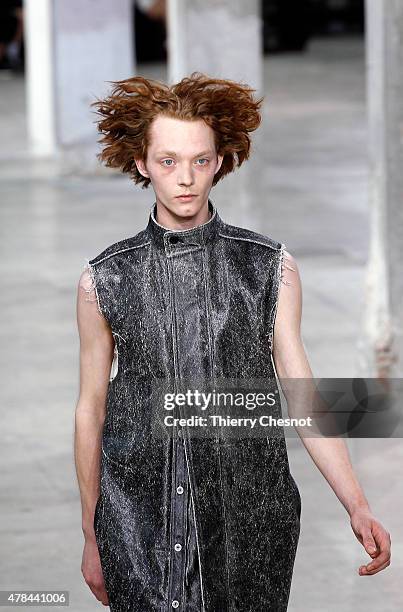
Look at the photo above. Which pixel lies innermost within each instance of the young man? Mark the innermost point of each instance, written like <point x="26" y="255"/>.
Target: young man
<point x="185" y="522"/>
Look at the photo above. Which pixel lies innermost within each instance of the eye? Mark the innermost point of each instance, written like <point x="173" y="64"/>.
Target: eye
<point x="203" y="159"/>
<point x="167" y="160"/>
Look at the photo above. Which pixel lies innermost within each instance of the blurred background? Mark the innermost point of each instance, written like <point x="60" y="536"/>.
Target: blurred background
<point x="325" y="177"/>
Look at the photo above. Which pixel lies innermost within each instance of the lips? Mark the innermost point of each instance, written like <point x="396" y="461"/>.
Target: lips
<point x="187" y="195"/>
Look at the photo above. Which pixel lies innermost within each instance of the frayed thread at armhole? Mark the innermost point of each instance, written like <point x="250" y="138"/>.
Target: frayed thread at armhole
<point x="92" y="296"/>
<point x="92" y="289"/>
<point x="283" y="264"/>
<point x="279" y="279"/>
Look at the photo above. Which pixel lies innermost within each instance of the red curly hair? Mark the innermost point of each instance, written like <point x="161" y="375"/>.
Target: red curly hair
<point x="228" y="107"/>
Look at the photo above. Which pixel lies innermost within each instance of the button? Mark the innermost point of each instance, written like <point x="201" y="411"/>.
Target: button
<point x="174" y="239"/>
<point x="175" y="603"/>
<point x="179" y="490"/>
<point x="178" y="546"/>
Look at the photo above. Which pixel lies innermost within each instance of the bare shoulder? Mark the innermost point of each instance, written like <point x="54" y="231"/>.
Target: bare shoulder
<point x="96" y="345"/>
<point x="87" y="285"/>
<point x="290" y="294"/>
<point x="289" y="270"/>
<point x="89" y="315"/>
<point x="288" y="349"/>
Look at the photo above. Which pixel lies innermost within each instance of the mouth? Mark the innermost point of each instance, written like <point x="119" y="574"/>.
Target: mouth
<point x="187" y="196"/>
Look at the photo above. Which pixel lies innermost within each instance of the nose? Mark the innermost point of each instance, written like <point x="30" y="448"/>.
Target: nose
<point x="185" y="176"/>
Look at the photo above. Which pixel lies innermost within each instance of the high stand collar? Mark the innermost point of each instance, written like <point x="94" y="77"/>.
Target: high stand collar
<point x="199" y="235"/>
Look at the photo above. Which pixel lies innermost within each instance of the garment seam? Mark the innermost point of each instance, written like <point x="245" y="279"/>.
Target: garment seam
<point x="171" y="254"/>
<point x="197" y="536"/>
<point x="249" y="240"/>
<point x="90" y="269"/>
<point x="207" y="301"/>
<point x="138" y="246"/>
<point x="184" y="527"/>
<point x="277" y="296"/>
<point x="212" y="370"/>
<point x="177" y="373"/>
<point x="173" y="445"/>
<point x="187" y="540"/>
<point x="225" y="523"/>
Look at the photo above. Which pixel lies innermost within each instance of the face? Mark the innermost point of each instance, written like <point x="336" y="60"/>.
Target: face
<point x="181" y="159"/>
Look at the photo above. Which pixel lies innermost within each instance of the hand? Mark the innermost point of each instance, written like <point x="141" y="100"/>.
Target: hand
<point x="375" y="539"/>
<point x="92" y="571"/>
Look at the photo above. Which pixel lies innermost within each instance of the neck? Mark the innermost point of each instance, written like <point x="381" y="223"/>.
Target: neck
<point x="165" y="217"/>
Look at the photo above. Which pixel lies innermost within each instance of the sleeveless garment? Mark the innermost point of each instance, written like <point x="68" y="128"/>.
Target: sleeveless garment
<point x="186" y="523"/>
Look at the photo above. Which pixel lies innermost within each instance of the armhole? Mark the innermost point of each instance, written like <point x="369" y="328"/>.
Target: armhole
<point x="93" y="291"/>
<point x="277" y="284"/>
<point x="93" y="294"/>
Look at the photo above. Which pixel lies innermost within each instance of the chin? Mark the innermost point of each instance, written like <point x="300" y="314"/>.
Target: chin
<point x="186" y="209"/>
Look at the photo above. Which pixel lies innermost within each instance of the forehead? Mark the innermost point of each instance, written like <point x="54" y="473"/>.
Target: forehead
<point x="167" y="133"/>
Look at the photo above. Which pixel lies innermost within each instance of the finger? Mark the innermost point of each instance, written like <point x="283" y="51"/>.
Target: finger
<point x="384" y="557"/>
<point x="369" y="543"/>
<point x="363" y="571"/>
<point x="384" y="552"/>
<point x="101" y="594"/>
<point x="104" y="597"/>
<point x="382" y="539"/>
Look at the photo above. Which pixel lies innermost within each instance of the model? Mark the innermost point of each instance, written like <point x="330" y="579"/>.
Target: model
<point x="180" y="521"/>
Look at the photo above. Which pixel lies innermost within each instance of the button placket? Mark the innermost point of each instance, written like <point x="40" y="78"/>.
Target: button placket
<point x="178" y="527"/>
<point x="179" y="245"/>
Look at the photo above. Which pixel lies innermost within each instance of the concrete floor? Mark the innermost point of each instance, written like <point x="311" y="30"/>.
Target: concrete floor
<point x="305" y="185"/>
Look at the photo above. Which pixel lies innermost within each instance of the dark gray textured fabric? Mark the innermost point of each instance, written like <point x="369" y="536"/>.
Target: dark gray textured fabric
<point x="187" y="303"/>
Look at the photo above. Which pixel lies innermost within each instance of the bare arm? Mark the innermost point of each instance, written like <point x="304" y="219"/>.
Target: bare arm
<point x="96" y="354"/>
<point x="330" y="455"/>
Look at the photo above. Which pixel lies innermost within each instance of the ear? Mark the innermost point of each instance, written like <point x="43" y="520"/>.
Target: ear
<point x="141" y="167"/>
<point x="219" y="162"/>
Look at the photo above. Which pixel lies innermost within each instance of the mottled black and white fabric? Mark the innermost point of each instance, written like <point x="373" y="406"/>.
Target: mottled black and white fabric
<point x="207" y="524"/>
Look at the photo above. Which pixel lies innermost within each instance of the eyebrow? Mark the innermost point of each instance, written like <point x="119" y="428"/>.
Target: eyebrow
<point x="173" y="154"/>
